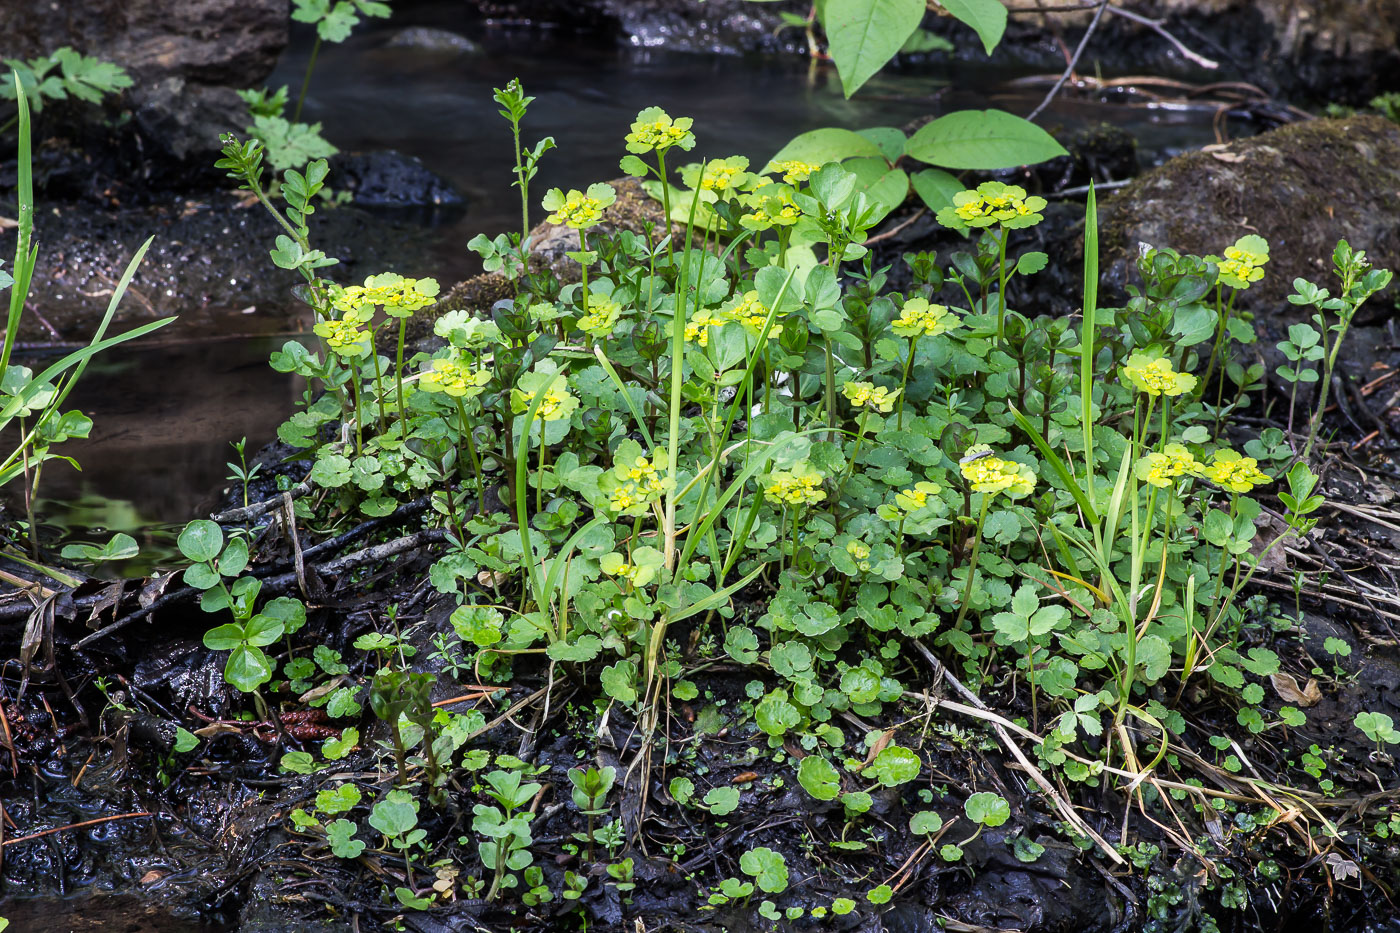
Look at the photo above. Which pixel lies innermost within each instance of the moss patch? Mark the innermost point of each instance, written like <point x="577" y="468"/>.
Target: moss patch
<point x="1302" y="187"/>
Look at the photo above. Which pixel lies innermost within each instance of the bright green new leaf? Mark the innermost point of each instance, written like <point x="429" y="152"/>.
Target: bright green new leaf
<point x="986" y="17"/>
<point x="819" y="777"/>
<point x="863" y="35"/>
<point x="201" y="540"/>
<point x="987" y="808"/>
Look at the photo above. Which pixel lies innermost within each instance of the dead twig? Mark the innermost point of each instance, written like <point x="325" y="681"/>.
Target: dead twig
<point x="59" y="829"/>
<point x="1073" y="62"/>
<point x="1061" y="804"/>
<point x="259" y="509"/>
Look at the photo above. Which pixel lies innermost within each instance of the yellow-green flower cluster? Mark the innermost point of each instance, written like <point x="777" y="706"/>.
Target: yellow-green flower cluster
<point x="556" y="404"/>
<point x="868" y="395"/>
<point x="1243" y="262"/>
<point x="634" y="482"/>
<point x="454" y="378"/>
<point x="346" y="338"/>
<point x="770" y="209"/>
<point x="794" y="171"/>
<point x="721" y="175"/>
<point x="1165" y="467"/>
<point x="1231" y="471"/>
<point x="990" y="474"/>
<point x="654" y="130"/>
<point x="918" y="318"/>
<point x="1154" y="376"/>
<point x="992" y="203"/>
<point x="751" y="313"/>
<point x="399" y="296"/>
<point x="601" y="317"/>
<point x="698" y="328"/>
<point x="578" y="209"/>
<point x="917" y="496"/>
<point x="802" y="485"/>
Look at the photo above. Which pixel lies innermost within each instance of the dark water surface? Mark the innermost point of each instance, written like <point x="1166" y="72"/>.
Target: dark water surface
<point x="165" y="413"/>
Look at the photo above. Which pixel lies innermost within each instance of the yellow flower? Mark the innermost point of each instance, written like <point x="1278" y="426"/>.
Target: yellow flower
<point x="869" y="395"/>
<point x="1155" y="376"/>
<point x="655" y="130"/>
<point x="858" y="550"/>
<point x="601" y="317"/>
<point x="992" y="202"/>
<point x="625" y="497"/>
<point x="772" y="207"/>
<point x="454" y="378"/>
<point x="917" y="496"/>
<point x="400" y="296"/>
<point x="802" y="485"/>
<point x="698" y="330"/>
<point x="578" y="209"/>
<point x="556" y="404"/>
<point x="794" y="170"/>
<point x="751" y="313"/>
<point x="345" y="338"/>
<point x="1231" y="471"/>
<point x="721" y="175"/>
<point x="990" y="474"/>
<point x="918" y="318"/>
<point x="1243" y="262"/>
<point x="1163" y="468"/>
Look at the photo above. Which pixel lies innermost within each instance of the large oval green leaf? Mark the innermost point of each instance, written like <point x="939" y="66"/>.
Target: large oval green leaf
<point x="935" y="188"/>
<point x="831" y="144"/>
<point x="986" y="17"/>
<point x="865" y="34"/>
<point x="982" y="139"/>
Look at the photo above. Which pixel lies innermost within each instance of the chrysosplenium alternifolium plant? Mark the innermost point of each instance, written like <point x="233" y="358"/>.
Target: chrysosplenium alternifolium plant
<point x="721" y="427"/>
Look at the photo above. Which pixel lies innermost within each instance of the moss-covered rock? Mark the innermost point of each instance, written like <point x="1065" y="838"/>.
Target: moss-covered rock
<point x="1301" y="187"/>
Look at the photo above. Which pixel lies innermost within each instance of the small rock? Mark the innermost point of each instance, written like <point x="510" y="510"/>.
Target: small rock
<point x="436" y="41"/>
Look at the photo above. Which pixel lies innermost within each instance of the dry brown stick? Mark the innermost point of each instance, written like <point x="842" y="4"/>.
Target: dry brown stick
<point x="902" y="225"/>
<point x="59" y="829"/>
<point x="1065" y="808"/>
<point x="298" y="561"/>
<point x="259" y="509"/>
<point x="1073" y="62"/>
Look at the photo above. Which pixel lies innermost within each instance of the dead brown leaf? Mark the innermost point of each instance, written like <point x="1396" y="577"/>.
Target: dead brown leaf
<point x="1286" y="686"/>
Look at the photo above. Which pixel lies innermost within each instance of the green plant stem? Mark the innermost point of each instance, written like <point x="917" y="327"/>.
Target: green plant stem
<point x="972" y="561"/>
<point x="904" y="381"/>
<point x="359" y="421"/>
<point x="1345" y="314"/>
<point x="306" y="79"/>
<point x="379" y="388"/>
<point x="1001" y="286"/>
<point x="465" y="429"/>
<point x="666" y="206"/>
<point x="1223" y="316"/>
<point x="398" y="375"/>
<point x="523" y="183"/>
<point x="539" y="473"/>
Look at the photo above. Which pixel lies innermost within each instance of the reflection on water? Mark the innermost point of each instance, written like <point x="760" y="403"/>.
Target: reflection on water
<point x="163" y="418"/>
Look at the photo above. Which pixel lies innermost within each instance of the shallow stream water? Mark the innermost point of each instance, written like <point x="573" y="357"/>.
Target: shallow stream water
<point x="165" y="413"/>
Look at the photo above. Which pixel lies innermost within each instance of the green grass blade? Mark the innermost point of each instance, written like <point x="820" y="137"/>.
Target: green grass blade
<point x="626" y="396"/>
<point x="24" y="256"/>
<point x="1090" y="330"/>
<point x="522" y="515"/>
<point x="1063" y="472"/>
